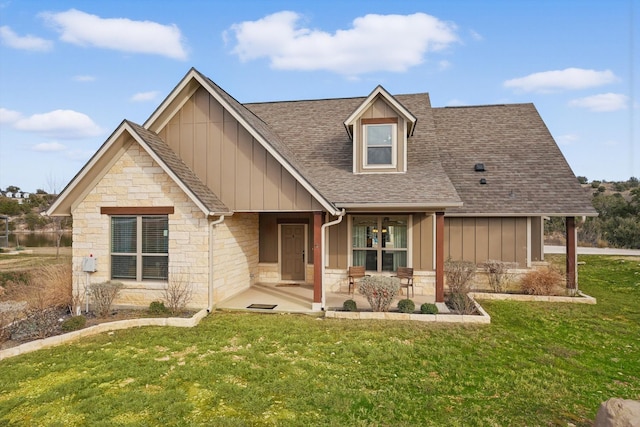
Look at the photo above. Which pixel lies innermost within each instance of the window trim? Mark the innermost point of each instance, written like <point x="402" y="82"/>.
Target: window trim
<point x="393" y="123"/>
<point x="139" y="255"/>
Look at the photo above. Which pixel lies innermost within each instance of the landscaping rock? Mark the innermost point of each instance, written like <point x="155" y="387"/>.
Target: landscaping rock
<point x="617" y="412"/>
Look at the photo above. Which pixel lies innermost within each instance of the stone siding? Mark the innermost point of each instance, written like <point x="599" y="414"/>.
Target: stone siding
<point x="136" y="180"/>
<point x="235" y="262"/>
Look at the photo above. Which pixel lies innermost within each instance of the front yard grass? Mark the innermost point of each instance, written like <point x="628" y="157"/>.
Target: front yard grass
<point x="535" y="364"/>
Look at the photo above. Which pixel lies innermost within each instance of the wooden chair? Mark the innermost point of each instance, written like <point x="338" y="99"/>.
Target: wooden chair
<point x="355" y="274"/>
<point x="405" y="274"/>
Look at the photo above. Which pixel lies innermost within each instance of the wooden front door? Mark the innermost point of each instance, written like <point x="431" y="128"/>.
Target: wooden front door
<point x="292" y="254"/>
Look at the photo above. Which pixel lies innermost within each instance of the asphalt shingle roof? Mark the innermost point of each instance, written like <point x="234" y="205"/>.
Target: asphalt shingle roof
<point x="314" y="131"/>
<point x="526" y="172"/>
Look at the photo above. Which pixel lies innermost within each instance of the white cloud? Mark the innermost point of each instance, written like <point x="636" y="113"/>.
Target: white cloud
<point x="144" y="96"/>
<point x="84" y="78"/>
<point x="65" y="124"/>
<point x="455" y="102"/>
<point x="374" y="42"/>
<point x="602" y="102"/>
<point x="120" y="34"/>
<point x="444" y="65"/>
<point x="567" y="79"/>
<point x="28" y="42"/>
<point x="476" y="35"/>
<point x="9" y="116"/>
<point x="48" y="147"/>
<point x="567" y="139"/>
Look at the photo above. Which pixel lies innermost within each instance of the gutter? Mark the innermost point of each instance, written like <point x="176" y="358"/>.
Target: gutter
<point x="323" y="238"/>
<point x="211" y="241"/>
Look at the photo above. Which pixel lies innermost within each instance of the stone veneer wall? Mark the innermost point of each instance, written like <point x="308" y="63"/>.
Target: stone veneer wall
<point x="235" y="259"/>
<point x="136" y="180"/>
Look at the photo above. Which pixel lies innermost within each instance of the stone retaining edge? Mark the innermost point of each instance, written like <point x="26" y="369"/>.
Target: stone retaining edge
<point x="483" y="318"/>
<point x="579" y="299"/>
<point x="56" y="340"/>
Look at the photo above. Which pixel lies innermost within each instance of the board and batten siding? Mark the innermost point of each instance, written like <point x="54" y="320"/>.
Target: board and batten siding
<point x="480" y="239"/>
<point x="236" y="167"/>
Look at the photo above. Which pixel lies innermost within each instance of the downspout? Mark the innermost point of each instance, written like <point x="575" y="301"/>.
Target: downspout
<point x="322" y="257"/>
<point x="211" y="241"/>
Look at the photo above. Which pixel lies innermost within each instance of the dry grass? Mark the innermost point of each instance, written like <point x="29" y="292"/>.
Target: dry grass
<point x="547" y="281"/>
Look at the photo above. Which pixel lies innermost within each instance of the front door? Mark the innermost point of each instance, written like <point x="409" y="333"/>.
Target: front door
<point x="292" y="254"/>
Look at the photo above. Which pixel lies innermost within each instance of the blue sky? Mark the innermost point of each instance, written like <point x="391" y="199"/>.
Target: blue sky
<point x="71" y="71"/>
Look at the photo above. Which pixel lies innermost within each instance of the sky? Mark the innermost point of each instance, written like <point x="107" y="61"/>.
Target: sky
<point x="71" y="71"/>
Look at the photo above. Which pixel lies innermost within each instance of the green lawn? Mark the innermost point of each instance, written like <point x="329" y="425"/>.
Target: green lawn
<point x="536" y="364"/>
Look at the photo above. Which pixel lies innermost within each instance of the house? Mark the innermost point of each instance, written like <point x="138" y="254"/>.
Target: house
<point x="225" y="195"/>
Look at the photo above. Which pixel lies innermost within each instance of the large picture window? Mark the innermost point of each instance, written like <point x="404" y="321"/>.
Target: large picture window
<point x="140" y="247"/>
<point x="379" y="243"/>
<point x="379" y="142"/>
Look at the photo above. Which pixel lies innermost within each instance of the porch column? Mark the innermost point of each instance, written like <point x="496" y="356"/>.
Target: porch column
<point x="317" y="257"/>
<point x="439" y="256"/>
<point x="572" y="254"/>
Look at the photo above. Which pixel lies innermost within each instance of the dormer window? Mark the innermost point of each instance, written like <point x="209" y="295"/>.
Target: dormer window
<point x="380" y="141"/>
<point x="380" y="129"/>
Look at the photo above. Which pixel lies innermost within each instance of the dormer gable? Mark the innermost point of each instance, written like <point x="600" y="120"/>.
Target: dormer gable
<point x="379" y="129"/>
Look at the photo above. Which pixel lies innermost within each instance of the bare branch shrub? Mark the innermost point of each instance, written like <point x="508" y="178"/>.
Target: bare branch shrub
<point x="103" y="295"/>
<point x="459" y="275"/>
<point x="178" y="292"/>
<point x="379" y="290"/>
<point x="547" y="281"/>
<point x="498" y="273"/>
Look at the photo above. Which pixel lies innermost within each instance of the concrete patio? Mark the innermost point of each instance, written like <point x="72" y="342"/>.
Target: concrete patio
<point x="298" y="298"/>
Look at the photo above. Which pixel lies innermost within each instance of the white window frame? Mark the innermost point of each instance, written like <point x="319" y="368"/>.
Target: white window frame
<point x="138" y="253"/>
<point x="394" y="146"/>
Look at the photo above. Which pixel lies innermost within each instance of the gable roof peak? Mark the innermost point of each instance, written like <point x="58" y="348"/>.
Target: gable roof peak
<point x="390" y="99"/>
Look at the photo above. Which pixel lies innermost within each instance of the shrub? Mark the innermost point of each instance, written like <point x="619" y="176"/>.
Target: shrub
<point x="459" y="275"/>
<point x="406" y="306"/>
<point x="498" y="273"/>
<point x="73" y="323"/>
<point x="546" y="281"/>
<point x="461" y="303"/>
<point x="158" y="308"/>
<point x="428" y="308"/>
<point x="103" y="295"/>
<point x="380" y="291"/>
<point x="178" y="292"/>
<point x="349" y="305"/>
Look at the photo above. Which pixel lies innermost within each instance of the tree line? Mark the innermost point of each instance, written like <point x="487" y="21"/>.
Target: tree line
<point x="618" y="221"/>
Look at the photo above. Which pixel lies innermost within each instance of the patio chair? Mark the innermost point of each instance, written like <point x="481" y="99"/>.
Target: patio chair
<point x="405" y="274"/>
<point x="355" y="274"/>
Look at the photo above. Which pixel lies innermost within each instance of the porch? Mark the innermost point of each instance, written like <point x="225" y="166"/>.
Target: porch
<point x="298" y="298"/>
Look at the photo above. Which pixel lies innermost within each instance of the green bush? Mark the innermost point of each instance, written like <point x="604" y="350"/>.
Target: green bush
<point x="157" y="308"/>
<point x="428" y="308"/>
<point x="73" y="323"/>
<point x="406" y="306"/>
<point x="380" y="291"/>
<point x="349" y="305"/>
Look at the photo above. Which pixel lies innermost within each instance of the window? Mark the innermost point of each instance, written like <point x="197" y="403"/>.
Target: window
<point x="379" y="243"/>
<point x="379" y="145"/>
<point x="140" y="247"/>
